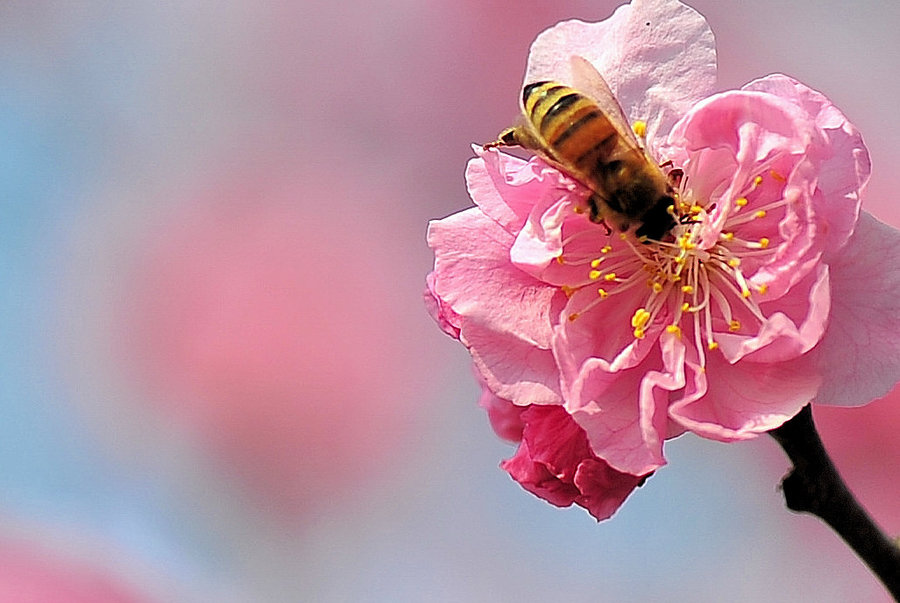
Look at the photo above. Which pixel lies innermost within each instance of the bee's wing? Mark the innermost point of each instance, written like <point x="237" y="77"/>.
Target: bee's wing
<point x="586" y="79"/>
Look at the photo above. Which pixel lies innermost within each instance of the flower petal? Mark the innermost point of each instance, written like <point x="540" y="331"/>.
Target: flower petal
<point x="845" y="167"/>
<point x="503" y="314"/>
<point x="746" y="399"/>
<point x="860" y="353"/>
<point x="555" y="463"/>
<point x="658" y="57"/>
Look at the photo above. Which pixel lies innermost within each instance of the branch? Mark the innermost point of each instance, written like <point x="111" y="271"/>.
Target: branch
<point x="814" y="486"/>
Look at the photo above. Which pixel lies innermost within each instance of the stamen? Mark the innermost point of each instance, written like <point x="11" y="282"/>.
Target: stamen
<point x="640" y="128"/>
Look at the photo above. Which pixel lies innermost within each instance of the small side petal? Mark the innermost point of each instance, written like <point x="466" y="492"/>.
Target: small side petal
<point x="442" y="314"/>
<point x="860" y="353"/>
<point x="555" y="463"/>
<point x="505" y="417"/>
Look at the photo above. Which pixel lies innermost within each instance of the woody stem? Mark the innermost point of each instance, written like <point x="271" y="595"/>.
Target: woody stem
<point x="814" y="486"/>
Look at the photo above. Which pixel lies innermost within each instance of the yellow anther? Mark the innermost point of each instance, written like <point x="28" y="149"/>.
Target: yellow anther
<point x="610" y="277"/>
<point x="640" y="128"/>
<point x="605" y="249"/>
<point x="602" y="293"/>
<point x="670" y="210"/>
<point x="687" y="289"/>
<point x="728" y="236"/>
<point x="763" y="243"/>
<point x="696" y="209"/>
<point x="741" y="201"/>
<point x="762" y="289"/>
<point x="560" y="259"/>
<point x="685" y="307"/>
<point x="573" y="316"/>
<point x="674" y="330"/>
<point x="757" y="181"/>
<point x="623" y="236"/>
<point x="777" y="176"/>
<point x="734" y="325"/>
<point x="712" y="345"/>
<point x="578" y="209"/>
<point x="745" y="293"/>
<point x="594" y="274"/>
<point x="569" y="291"/>
<point x="640" y="318"/>
<point x="734" y="262"/>
<point x="657" y="288"/>
<point x="760" y="214"/>
<point x="639" y="333"/>
<point x="596" y="263"/>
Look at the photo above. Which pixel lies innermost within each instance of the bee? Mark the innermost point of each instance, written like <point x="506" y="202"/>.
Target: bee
<point x="584" y="133"/>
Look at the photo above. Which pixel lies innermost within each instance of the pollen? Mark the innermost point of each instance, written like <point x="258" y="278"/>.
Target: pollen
<point x="569" y="291"/>
<point x="574" y="316"/>
<point x="760" y="214"/>
<point x="757" y="181"/>
<point x="728" y="236"/>
<point x="595" y="274"/>
<point x="734" y="325"/>
<point x="762" y="289"/>
<point x="610" y="277"/>
<point x="712" y="346"/>
<point x="560" y="259"/>
<point x="657" y="288"/>
<point x="578" y="209"/>
<point x="639" y="333"/>
<point x="596" y="263"/>
<point x="605" y="249"/>
<point x="734" y="262"/>
<point x="687" y="289"/>
<point x="602" y="293"/>
<point x="685" y="307"/>
<point x="763" y="243"/>
<point x="741" y="201"/>
<point x="674" y="330"/>
<point x="640" y="128"/>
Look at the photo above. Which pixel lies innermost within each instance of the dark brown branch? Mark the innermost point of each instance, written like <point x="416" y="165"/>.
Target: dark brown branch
<point x="814" y="486"/>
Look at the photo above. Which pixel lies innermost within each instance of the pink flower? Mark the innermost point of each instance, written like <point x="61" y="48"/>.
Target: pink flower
<point x="772" y="290"/>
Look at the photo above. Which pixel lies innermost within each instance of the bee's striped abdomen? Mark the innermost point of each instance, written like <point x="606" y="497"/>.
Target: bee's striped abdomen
<point x="570" y="124"/>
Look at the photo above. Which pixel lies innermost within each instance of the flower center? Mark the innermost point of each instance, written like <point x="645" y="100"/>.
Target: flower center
<point x="696" y="281"/>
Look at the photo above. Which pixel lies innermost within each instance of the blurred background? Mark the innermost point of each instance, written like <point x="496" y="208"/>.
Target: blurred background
<point x="217" y="378"/>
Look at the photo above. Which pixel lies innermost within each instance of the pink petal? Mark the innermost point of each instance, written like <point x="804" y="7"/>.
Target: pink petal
<point x="505" y="417"/>
<point x="794" y="324"/>
<point x="555" y="463"/>
<point x="624" y="413"/>
<point x="746" y="399"/>
<point x="860" y="353"/>
<point x="658" y="57"/>
<point x="442" y="314"/>
<point x="503" y="314"/>
<point x="845" y="167"/>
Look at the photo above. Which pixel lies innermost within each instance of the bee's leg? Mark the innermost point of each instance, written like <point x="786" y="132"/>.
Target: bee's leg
<point x="509" y="137"/>
<point x="596" y="215"/>
<point x="676" y="175"/>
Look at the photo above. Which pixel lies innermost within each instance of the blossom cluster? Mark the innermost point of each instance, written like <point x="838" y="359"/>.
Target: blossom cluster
<point x="773" y="289"/>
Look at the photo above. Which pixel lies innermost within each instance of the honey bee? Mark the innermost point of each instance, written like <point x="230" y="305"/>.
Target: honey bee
<point x="584" y="132"/>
